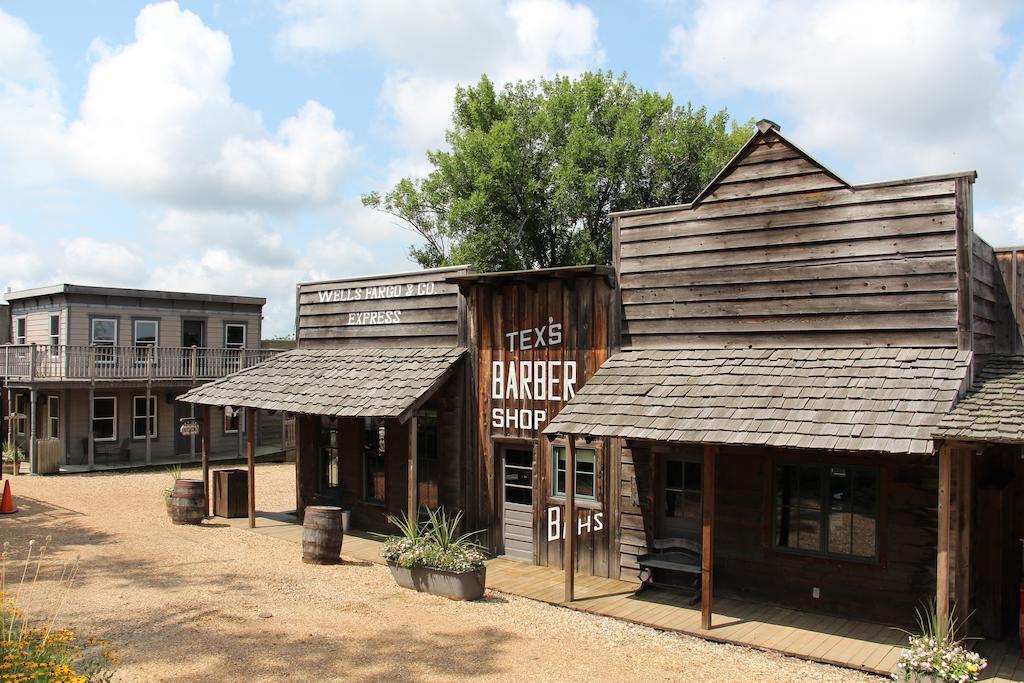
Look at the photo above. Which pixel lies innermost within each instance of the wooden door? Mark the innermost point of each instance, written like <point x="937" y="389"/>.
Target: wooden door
<point x="517" y="502"/>
<point x="995" y="550"/>
<point x="193" y="333"/>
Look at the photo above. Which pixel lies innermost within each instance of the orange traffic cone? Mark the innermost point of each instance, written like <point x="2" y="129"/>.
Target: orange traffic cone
<point x="7" y="502"/>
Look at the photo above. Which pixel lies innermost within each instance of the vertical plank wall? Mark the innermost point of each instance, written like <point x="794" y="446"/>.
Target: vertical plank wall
<point x="584" y="307"/>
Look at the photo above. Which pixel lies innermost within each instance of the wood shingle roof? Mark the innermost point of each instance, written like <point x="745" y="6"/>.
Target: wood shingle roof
<point x="351" y="382"/>
<point x="867" y="399"/>
<point x="994" y="409"/>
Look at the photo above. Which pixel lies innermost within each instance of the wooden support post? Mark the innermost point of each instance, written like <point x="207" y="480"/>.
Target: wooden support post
<point x="707" y="564"/>
<point x="192" y="440"/>
<point x="251" y="457"/>
<point x="149" y="397"/>
<point x="962" y="574"/>
<point x="204" y="438"/>
<point x="942" y="556"/>
<point x="10" y="417"/>
<point x="414" y="505"/>
<point x="92" y="406"/>
<point x="33" y="447"/>
<point x="569" y="542"/>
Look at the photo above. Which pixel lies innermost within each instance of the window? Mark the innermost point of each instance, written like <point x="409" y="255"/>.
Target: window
<point x="231" y="419"/>
<point x="20" y="326"/>
<point x="428" y="461"/>
<point x="680" y="503"/>
<point x="19" y="412"/>
<point x="55" y="335"/>
<point x="827" y="510"/>
<point x="141" y="415"/>
<point x="586" y="472"/>
<point x="53" y="417"/>
<point x="104" y="418"/>
<point x="374" y="460"/>
<point x="146" y="334"/>
<point x="234" y="336"/>
<point x="234" y="340"/>
<point x="330" y="475"/>
<point x="104" y="335"/>
<point x="519" y="476"/>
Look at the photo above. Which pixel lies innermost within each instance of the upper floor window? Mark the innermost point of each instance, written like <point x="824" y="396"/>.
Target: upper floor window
<point x="20" y="327"/>
<point x="55" y="334"/>
<point x="104" y="334"/>
<point x="147" y="332"/>
<point x="234" y="336"/>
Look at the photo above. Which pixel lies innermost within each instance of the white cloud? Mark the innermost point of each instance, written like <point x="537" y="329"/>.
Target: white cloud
<point x="895" y="89"/>
<point x="435" y="46"/>
<point x="158" y="121"/>
<point x="31" y="115"/>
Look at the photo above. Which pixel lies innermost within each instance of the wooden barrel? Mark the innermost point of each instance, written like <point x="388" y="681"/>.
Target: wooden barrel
<point x="322" y="535"/>
<point x="188" y="501"/>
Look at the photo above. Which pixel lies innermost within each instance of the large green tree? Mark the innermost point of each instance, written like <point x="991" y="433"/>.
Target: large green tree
<point x="532" y="172"/>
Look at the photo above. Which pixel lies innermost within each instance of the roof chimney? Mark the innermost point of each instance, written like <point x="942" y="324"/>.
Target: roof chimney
<point x="765" y="125"/>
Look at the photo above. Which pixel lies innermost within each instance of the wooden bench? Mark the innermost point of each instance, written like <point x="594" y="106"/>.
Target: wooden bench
<point x="679" y="555"/>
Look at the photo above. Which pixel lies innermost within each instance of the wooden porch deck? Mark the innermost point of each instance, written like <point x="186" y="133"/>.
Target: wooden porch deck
<point x="842" y="642"/>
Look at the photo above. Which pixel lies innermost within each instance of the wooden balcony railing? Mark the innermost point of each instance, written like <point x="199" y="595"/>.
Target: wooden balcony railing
<point x="30" y="362"/>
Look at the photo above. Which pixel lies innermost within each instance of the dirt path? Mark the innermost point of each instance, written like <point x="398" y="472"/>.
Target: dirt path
<point x="213" y="603"/>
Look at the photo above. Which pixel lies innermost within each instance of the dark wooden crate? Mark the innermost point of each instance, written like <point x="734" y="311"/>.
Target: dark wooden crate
<point x="229" y="493"/>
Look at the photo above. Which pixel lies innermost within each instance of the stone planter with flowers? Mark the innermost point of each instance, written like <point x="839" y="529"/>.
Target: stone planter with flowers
<point x="434" y="558"/>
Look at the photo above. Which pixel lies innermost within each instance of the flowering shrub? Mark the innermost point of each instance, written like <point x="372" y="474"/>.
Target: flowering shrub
<point x="32" y="648"/>
<point x="937" y="651"/>
<point x="947" y="662"/>
<point x="434" y="544"/>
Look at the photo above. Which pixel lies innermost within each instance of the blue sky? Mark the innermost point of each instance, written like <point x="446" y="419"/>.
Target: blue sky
<point x="223" y="146"/>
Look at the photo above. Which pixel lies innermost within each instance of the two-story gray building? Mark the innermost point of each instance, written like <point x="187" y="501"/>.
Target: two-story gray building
<point x="91" y="373"/>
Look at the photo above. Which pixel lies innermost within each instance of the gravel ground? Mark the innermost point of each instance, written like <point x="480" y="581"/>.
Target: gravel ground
<point x="214" y="603"/>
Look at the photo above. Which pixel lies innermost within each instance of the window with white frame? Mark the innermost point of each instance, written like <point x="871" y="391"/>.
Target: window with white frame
<point x="104" y="418"/>
<point x="145" y="336"/>
<point x="20" y="330"/>
<point x="19" y="414"/>
<point x="53" y="417"/>
<point x="143" y="413"/>
<point x="232" y="419"/>
<point x="103" y="334"/>
<point x="55" y="335"/>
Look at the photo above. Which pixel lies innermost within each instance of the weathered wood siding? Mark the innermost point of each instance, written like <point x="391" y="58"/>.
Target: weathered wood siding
<point x="170" y="323"/>
<point x="1010" y="266"/>
<point x="408" y="310"/>
<point x="781" y="253"/>
<point x="747" y="566"/>
<point x="995" y="320"/>
<point x="448" y="403"/>
<point x="583" y="309"/>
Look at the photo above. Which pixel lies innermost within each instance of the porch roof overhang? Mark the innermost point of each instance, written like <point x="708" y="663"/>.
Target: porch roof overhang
<point x="350" y="382"/>
<point x="993" y="411"/>
<point x="868" y="399"/>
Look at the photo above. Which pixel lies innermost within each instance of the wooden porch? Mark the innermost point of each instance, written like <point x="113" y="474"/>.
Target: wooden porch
<point x="848" y="643"/>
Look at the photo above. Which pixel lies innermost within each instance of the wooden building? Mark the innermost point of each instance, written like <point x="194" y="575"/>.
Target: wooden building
<point x="766" y="373"/>
<point x="378" y="390"/>
<point x="533" y="338"/>
<point x="790" y="343"/>
<point x="92" y="374"/>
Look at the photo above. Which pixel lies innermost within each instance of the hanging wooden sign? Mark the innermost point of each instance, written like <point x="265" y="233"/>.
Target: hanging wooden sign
<point x="189" y="426"/>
